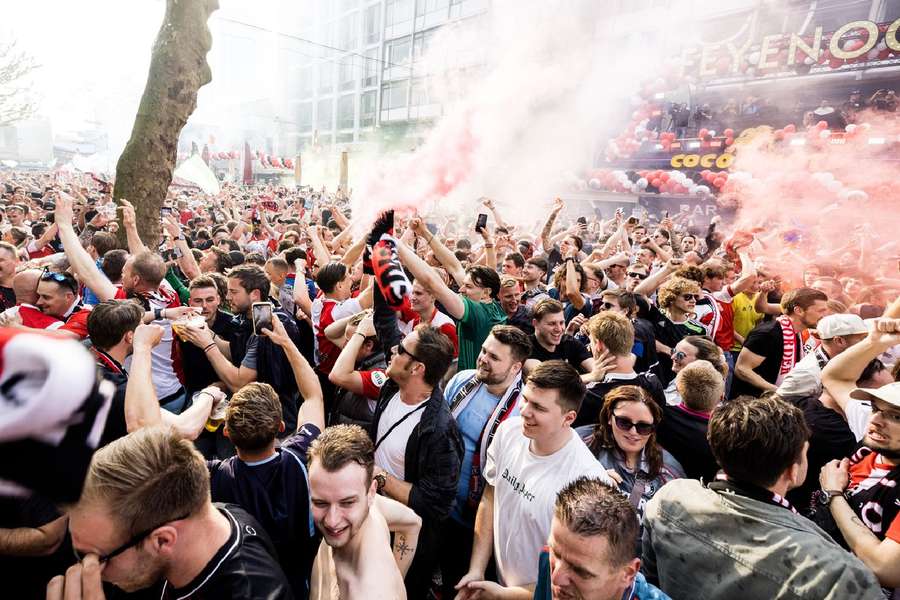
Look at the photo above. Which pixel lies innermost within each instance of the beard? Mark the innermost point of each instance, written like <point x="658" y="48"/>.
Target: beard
<point x="885" y="451"/>
<point x="152" y="570"/>
<point x="492" y="378"/>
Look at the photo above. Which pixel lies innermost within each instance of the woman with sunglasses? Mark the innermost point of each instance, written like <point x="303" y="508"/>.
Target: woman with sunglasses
<point x="624" y="441"/>
<point x="673" y="320"/>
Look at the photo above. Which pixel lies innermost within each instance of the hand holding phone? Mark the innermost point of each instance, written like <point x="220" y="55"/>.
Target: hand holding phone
<point x="262" y="316"/>
<point x="481" y="223"/>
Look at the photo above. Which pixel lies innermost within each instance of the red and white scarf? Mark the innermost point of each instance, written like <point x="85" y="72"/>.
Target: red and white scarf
<point x="792" y="352"/>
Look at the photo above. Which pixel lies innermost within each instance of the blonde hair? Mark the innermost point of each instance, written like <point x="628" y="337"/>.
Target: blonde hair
<point x="675" y="287"/>
<point x="614" y="330"/>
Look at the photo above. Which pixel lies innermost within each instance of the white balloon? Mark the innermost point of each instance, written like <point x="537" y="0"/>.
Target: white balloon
<point x="851" y="128"/>
<point x="595" y="183"/>
<point x="702" y="189"/>
<point x="825" y="134"/>
<point x="753" y="58"/>
<point x="857" y="195"/>
<point x="642" y="183"/>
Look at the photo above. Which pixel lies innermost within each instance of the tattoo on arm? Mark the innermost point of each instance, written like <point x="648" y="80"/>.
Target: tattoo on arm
<point x="401" y="546"/>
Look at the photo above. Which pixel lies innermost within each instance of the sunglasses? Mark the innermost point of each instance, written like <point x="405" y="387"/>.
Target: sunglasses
<point x="134" y="541"/>
<point x="607" y="306"/>
<point x="690" y="297"/>
<point x="400" y="350"/>
<point x="637" y="275"/>
<point x="59" y="278"/>
<point x="626" y="424"/>
<point x="678" y="354"/>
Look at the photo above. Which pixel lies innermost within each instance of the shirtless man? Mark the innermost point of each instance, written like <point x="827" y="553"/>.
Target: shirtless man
<point x="354" y="561"/>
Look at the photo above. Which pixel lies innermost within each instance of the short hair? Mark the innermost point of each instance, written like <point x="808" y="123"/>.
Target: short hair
<point x="148" y="477"/>
<point x="559" y="277"/>
<point x="518" y="341"/>
<point x="625" y="299"/>
<point x="292" y="254"/>
<point x="463" y="244"/>
<point x="255" y="258"/>
<point x="579" y="243"/>
<point x="113" y="262"/>
<point x="486" y="278"/>
<point x="614" y="330"/>
<point x="110" y="320"/>
<point x="547" y="306"/>
<point x="330" y="275"/>
<point x="590" y="507"/>
<point x="340" y="445"/>
<point x="559" y="375"/>
<point x="150" y="267"/>
<point x="252" y="277"/>
<point x="516" y="258"/>
<point x="540" y="262"/>
<point x="279" y="264"/>
<point x="19" y="234"/>
<point x="670" y="290"/>
<point x="801" y="298"/>
<point x="712" y="270"/>
<point x="435" y="351"/>
<point x="253" y="416"/>
<point x="757" y="439"/>
<point x="10" y="248"/>
<point x="103" y="242"/>
<point x="223" y="259"/>
<point x="700" y="385"/>
<point x="204" y="281"/>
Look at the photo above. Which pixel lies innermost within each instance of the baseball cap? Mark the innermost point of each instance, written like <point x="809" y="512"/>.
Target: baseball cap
<point x="841" y="324"/>
<point x="890" y="393"/>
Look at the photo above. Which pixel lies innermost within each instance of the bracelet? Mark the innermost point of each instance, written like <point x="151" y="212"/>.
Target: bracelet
<point x="157" y="314"/>
<point x="211" y="344"/>
<point x="488" y="245"/>
<point x="360" y="333"/>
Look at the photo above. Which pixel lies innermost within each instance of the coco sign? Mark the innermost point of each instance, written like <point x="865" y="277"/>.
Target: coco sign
<point x="689" y="161"/>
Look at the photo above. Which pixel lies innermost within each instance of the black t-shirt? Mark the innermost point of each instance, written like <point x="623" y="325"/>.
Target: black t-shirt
<point x="669" y="333"/>
<point x="569" y="349"/>
<point x="589" y="413"/>
<point x="198" y="372"/>
<point x="683" y="433"/>
<point x="644" y="345"/>
<point x="522" y="319"/>
<point x="7" y="298"/>
<point x="766" y="340"/>
<point x="244" y="567"/>
<point x="830" y="438"/>
<point x="112" y="371"/>
<point x="276" y="493"/>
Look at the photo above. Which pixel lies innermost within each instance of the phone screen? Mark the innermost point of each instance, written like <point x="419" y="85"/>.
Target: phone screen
<point x="262" y="316"/>
<point x="481" y="222"/>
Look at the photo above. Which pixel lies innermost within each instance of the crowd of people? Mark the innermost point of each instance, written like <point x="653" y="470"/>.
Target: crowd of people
<point x="302" y="405"/>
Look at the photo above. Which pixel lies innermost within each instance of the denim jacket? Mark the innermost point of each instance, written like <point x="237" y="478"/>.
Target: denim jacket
<point x="700" y="543"/>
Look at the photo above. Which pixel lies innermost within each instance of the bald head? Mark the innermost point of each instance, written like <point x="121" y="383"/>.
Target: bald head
<point x="700" y="385"/>
<point x="25" y="285"/>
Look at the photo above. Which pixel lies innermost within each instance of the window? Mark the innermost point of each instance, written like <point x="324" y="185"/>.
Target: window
<point x="373" y="24"/>
<point x="419" y="93"/>
<point x="349" y="32"/>
<point x="347" y="70"/>
<point x="305" y="82"/>
<point x="370" y="71"/>
<point x="325" y="112"/>
<point x="421" y="43"/>
<point x="345" y="111"/>
<point x="397" y="11"/>
<point x="326" y="77"/>
<point x="393" y="95"/>
<point x="455" y="8"/>
<point x="397" y="51"/>
<point x="367" y="108"/>
<point x="304" y="116"/>
<point x="427" y="6"/>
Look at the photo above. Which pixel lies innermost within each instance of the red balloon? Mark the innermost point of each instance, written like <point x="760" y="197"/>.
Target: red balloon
<point x="664" y="177"/>
<point x="822" y="125"/>
<point x="791" y="128"/>
<point x="656" y="183"/>
<point x="719" y="182"/>
<point x="779" y="134"/>
<point x="729" y="141"/>
<point x="702" y="133"/>
<point x="729" y="133"/>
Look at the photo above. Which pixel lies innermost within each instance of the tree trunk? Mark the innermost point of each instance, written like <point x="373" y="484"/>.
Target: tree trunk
<point x="178" y="69"/>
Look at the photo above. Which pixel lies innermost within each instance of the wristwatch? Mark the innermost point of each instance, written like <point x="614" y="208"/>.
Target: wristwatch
<point x="826" y="496"/>
<point x="380" y="480"/>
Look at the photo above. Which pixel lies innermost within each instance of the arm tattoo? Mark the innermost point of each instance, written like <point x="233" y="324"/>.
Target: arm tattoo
<point x="401" y="546"/>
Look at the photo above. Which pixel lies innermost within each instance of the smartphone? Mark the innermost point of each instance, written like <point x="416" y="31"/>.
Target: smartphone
<point x="582" y="220"/>
<point x="165" y="211"/>
<point x="262" y="316"/>
<point x="666" y="215"/>
<point x="481" y="223"/>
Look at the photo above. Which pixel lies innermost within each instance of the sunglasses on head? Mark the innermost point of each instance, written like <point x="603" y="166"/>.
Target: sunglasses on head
<point x="60" y="279"/>
<point x="690" y="297"/>
<point x="637" y="275"/>
<point x="626" y="424"/>
<point x="134" y="541"/>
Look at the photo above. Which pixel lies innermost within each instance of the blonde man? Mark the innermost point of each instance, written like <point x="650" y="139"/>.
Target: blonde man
<point x="673" y="320"/>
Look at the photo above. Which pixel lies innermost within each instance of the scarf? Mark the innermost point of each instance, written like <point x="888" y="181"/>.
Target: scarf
<point x="712" y="328"/>
<point x="791" y="352"/>
<point x="503" y="410"/>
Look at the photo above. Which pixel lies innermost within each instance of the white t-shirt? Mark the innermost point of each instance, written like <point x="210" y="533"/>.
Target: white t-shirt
<point x="391" y="454"/>
<point x="858" y="413"/>
<point x="525" y="489"/>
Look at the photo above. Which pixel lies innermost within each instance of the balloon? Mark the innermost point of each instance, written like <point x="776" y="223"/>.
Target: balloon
<point x="821" y="125"/>
<point x="642" y="183"/>
<point x="719" y="182"/>
<point x="790" y="128"/>
<point x="825" y="134"/>
<point x="729" y="133"/>
<point x="729" y="141"/>
<point x="656" y="183"/>
<point x="851" y="128"/>
<point x="857" y="195"/>
<point x="702" y="133"/>
<point x="702" y="189"/>
<point x="664" y="177"/>
<point x="779" y="134"/>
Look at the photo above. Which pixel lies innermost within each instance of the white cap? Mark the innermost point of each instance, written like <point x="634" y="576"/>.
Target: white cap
<point x="890" y="393"/>
<point x="840" y="324"/>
